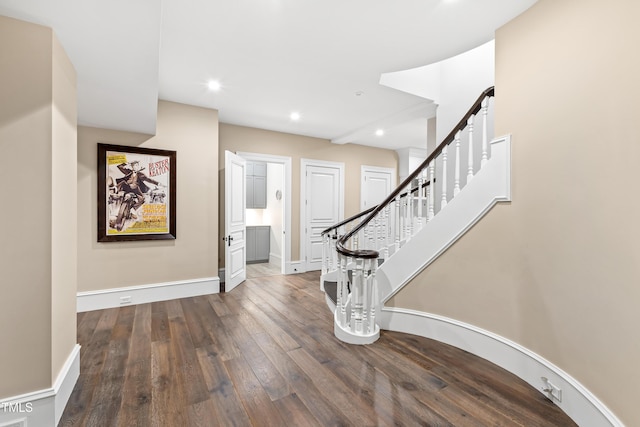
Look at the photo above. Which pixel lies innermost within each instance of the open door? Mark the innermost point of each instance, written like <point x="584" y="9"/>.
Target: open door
<point x="234" y="221"/>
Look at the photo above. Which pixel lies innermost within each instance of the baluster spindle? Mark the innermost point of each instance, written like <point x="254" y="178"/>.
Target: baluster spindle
<point x="365" y="236"/>
<point x="409" y="223"/>
<point x="485" y="131"/>
<point x="403" y="209"/>
<point x="420" y="197"/>
<point x="432" y="190"/>
<point x="374" y="298"/>
<point x="365" y="293"/>
<point x="356" y="296"/>
<point x="342" y="291"/>
<point x="376" y="231"/>
<point x="332" y="251"/>
<point x="443" y="200"/>
<point x="456" y="179"/>
<point x="397" y="223"/>
<point x="470" y="167"/>
<point x="387" y="220"/>
<point x="404" y="218"/>
<point x="325" y="252"/>
<point x="335" y="251"/>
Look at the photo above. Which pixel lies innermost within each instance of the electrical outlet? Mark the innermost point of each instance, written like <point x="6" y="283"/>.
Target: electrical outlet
<point x="551" y="390"/>
<point x="125" y="300"/>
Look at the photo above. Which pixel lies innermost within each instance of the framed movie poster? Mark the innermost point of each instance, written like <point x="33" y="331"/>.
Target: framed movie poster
<point x="136" y="193"/>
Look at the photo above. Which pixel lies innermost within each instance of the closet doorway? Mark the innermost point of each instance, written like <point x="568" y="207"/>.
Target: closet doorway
<point x="268" y="214"/>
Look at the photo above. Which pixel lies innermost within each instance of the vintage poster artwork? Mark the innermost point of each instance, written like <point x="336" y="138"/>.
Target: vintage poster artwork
<point x="136" y="201"/>
<point x="137" y="193"/>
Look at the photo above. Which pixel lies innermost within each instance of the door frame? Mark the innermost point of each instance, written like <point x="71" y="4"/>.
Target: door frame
<point x="365" y="168"/>
<point x="286" y="162"/>
<point x="304" y="163"/>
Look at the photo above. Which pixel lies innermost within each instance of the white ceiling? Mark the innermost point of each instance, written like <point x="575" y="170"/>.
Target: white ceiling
<point x="272" y="57"/>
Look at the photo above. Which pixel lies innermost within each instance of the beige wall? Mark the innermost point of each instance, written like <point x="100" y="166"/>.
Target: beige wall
<point x="38" y="172"/>
<point x="238" y="138"/>
<point x="193" y="133"/>
<point x="64" y="230"/>
<point x="558" y="269"/>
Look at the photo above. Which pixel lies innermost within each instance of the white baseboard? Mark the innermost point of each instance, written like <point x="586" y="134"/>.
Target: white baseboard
<point x="295" y="267"/>
<point x="345" y="335"/>
<point x="577" y="402"/>
<point x="119" y="297"/>
<point x="66" y="381"/>
<point x="43" y="408"/>
<point x="275" y="259"/>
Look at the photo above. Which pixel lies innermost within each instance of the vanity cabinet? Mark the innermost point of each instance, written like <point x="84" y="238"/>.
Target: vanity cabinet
<point x="256" y="185"/>
<point x="258" y="243"/>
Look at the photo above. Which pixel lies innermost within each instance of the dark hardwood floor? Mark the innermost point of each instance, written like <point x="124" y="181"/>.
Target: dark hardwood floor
<point x="264" y="354"/>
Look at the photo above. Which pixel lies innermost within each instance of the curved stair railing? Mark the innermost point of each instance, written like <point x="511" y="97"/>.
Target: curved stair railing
<point x="354" y="248"/>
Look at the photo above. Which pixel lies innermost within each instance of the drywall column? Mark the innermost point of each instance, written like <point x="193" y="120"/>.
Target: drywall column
<point x="38" y="216"/>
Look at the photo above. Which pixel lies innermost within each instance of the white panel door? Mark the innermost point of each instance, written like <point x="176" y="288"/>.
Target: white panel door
<point x="324" y="206"/>
<point x="234" y="221"/>
<point x="376" y="184"/>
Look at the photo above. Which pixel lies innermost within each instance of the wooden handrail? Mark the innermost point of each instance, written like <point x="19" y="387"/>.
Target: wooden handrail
<point x="348" y="220"/>
<point x="369" y="253"/>
<point x="366" y="211"/>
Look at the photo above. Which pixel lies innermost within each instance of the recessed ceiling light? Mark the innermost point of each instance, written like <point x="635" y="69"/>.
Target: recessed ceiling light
<point x="214" y="85"/>
<point x="379" y="132"/>
<point x="295" y="116"/>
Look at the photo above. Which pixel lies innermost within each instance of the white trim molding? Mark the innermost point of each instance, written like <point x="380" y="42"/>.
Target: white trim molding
<point x="43" y="407"/>
<point x="577" y="402"/>
<point x="275" y="259"/>
<point x="119" y="297"/>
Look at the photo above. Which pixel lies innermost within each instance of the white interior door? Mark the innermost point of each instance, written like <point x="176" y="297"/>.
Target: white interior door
<point x="234" y="220"/>
<point x="323" y="206"/>
<point x="376" y="184"/>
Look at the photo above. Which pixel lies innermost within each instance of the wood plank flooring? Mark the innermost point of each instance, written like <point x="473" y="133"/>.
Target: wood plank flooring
<point x="262" y="269"/>
<point x="264" y="354"/>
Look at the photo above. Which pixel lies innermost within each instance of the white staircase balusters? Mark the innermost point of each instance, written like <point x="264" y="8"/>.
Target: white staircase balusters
<point x="353" y="250"/>
<point x="432" y="190"/>
<point x="373" y="300"/>
<point x="409" y="213"/>
<point x="443" y="200"/>
<point x="356" y="296"/>
<point x="343" y="292"/>
<point x="456" y="176"/>
<point x="397" y="223"/>
<point x="387" y="240"/>
<point x="485" y="131"/>
<point x="325" y="253"/>
<point x="420" y="197"/>
<point x="470" y="167"/>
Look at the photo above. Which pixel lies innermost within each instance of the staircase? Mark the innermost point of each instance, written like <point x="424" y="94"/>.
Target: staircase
<point x="369" y="257"/>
